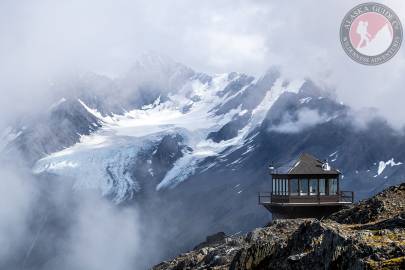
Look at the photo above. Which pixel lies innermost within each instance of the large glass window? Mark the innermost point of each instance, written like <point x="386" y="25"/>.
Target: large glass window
<point x="322" y="185"/>
<point x="313" y="187"/>
<point x="294" y="186"/>
<point x="303" y="187"/>
<point x="286" y="186"/>
<point x="332" y="186"/>
<point x="282" y="186"/>
<point x="277" y="186"/>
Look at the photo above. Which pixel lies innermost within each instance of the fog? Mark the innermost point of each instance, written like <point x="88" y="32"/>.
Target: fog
<point x="46" y="226"/>
<point x="17" y="194"/>
<point x="44" y="40"/>
<point x="102" y="236"/>
<point x="304" y="118"/>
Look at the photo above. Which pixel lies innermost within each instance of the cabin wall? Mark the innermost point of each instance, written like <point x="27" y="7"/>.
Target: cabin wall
<point x="289" y="212"/>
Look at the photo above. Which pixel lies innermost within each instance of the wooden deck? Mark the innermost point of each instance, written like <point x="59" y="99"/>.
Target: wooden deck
<point x="342" y="197"/>
<point x="299" y="206"/>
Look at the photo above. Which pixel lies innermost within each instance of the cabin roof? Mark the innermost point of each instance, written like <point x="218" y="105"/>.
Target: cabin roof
<point x="308" y="164"/>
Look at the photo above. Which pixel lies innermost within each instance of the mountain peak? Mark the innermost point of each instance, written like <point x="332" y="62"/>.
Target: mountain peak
<point x="151" y="60"/>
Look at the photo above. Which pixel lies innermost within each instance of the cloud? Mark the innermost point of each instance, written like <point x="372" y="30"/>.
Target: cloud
<point x="43" y="40"/>
<point x="103" y="236"/>
<point x="17" y="194"/>
<point x="305" y="118"/>
<point x="306" y="43"/>
<point x="53" y="228"/>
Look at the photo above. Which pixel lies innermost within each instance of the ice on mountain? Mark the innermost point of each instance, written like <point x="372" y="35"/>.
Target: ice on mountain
<point x="333" y="154"/>
<point x="242" y="113"/>
<point x="305" y="100"/>
<point x="383" y="164"/>
<point x="56" y="104"/>
<point x="100" y="160"/>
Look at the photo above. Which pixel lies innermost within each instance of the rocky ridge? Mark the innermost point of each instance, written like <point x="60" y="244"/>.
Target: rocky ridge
<point x="369" y="235"/>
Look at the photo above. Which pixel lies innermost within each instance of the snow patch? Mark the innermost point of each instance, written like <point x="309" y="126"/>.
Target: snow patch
<point x="305" y="100"/>
<point x="383" y="164"/>
<point x="56" y="104"/>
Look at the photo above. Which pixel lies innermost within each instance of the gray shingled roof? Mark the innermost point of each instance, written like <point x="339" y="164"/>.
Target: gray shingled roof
<point x="307" y="164"/>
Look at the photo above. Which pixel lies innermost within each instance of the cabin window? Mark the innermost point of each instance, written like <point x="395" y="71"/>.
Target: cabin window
<point x="278" y="186"/>
<point x="294" y="186"/>
<point x="313" y="187"/>
<point x="322" y="187"/>
<point x="332" y="186"/>
<point x="282" y="186"/>
<point x="303" y="187"/>
<point x="286" y="186"/>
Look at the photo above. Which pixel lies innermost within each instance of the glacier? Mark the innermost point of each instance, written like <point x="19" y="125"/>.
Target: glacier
<point x="101" y="160"/>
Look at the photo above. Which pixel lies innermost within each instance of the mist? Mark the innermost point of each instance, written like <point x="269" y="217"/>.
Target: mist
<point x="44" y="225"/>
<point x="304" y="118"/>
<point x="43" y="41"/>
<point x="102" y="236"/>
<point x="17" y="193"/>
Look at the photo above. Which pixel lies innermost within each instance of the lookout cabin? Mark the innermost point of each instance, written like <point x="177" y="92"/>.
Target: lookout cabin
<point x="310" y="188"/>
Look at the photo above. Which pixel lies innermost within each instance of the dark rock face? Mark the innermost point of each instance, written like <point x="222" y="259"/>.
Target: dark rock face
<point x="218" y="238"/>
<point x="251" y="97"/>
<point x="230" y="129"/>
<point x="366" y="241"/>
<point x="236" y="85"/>
<point x="153" y="163"/>
<point x="59" y="128"/>
<point x="168" y="150"/>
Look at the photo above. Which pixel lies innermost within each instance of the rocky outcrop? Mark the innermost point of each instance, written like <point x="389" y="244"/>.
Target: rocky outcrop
<point x="369" y="235"/>
<point x="385" y="204"/>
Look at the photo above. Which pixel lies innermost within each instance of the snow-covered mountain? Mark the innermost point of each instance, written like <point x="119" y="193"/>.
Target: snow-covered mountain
<point x="179" y="143"/>
<point x="103" y="127"/>
<point x="213" y="115"/>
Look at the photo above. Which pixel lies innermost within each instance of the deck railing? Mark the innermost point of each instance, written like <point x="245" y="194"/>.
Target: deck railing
<point x="342" y="197"/>
<point x="264" y="197"/>
<point x="347" y="196"/>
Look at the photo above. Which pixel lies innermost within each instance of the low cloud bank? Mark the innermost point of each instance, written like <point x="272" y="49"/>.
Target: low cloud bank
<point x="303" y="119"/>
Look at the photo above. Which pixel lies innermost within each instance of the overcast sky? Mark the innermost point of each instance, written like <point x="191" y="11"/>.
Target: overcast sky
<point x="44" y="39"/>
